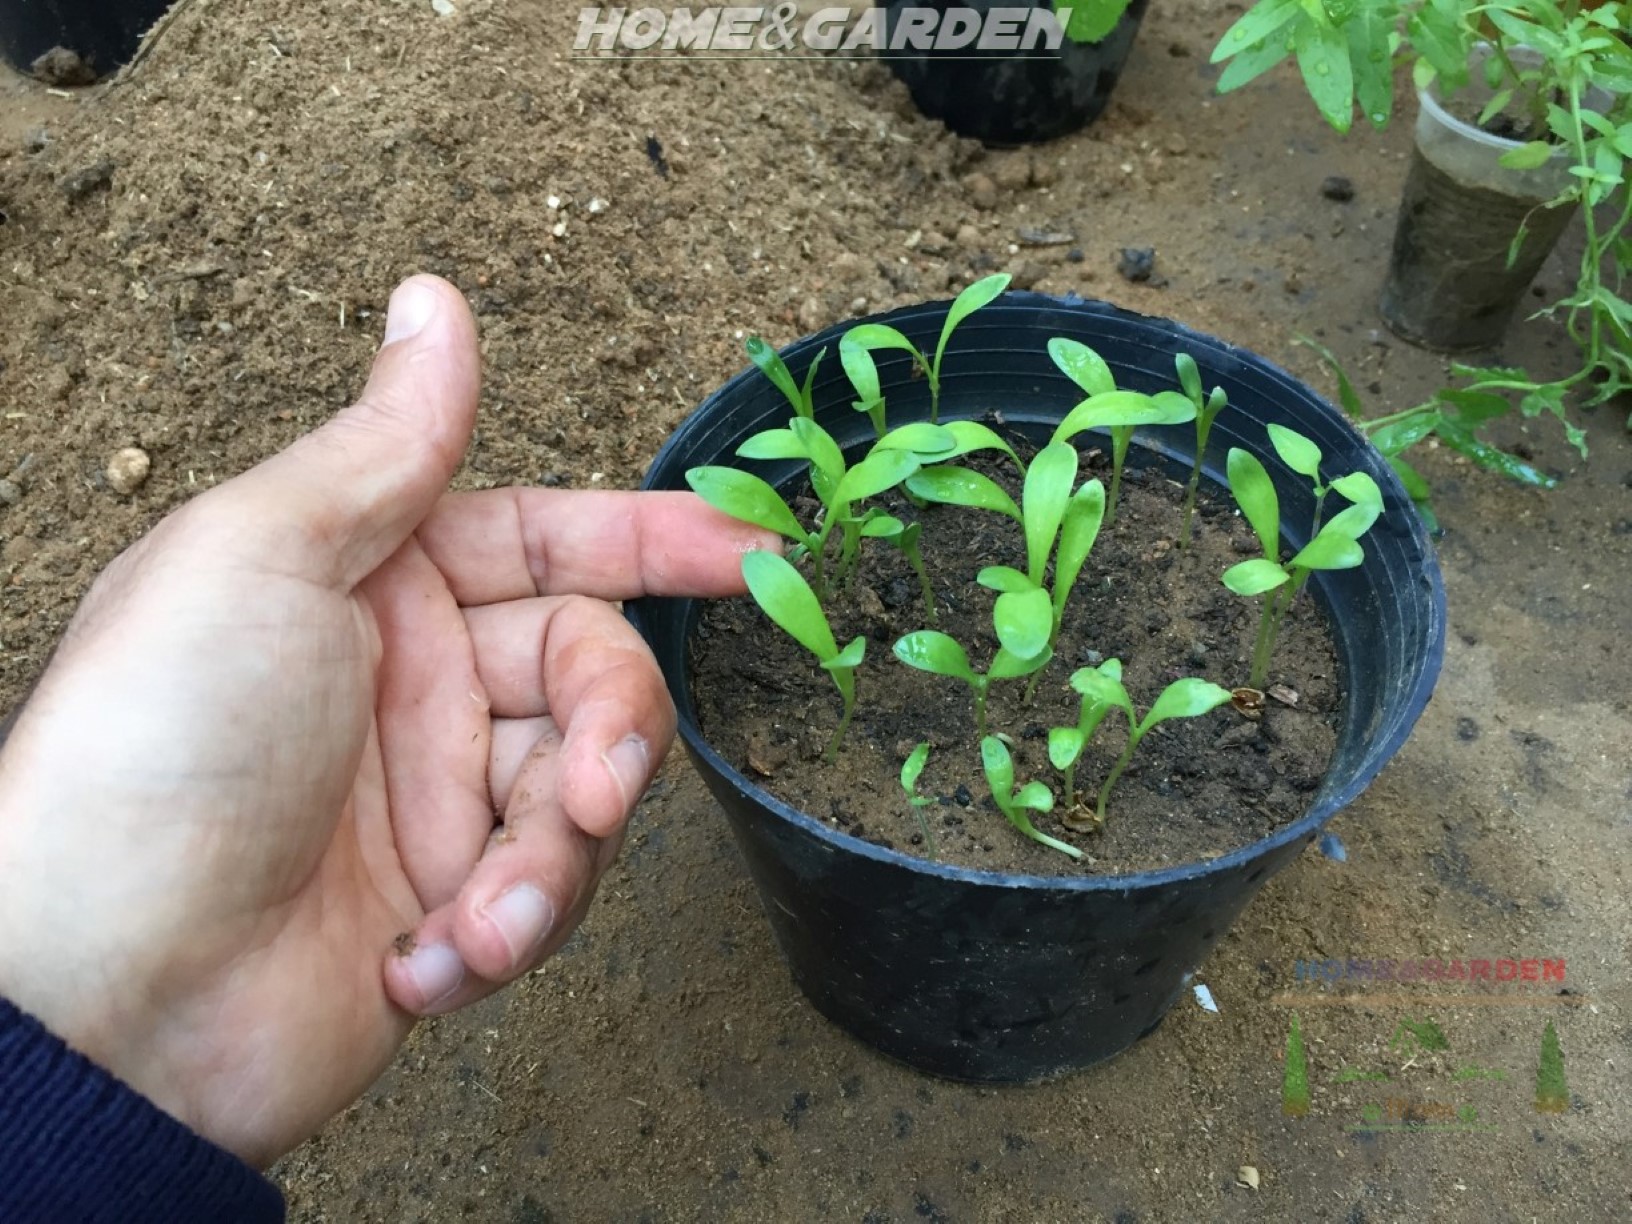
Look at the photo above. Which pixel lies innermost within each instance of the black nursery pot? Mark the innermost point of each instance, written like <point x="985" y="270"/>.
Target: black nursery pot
<point x="103" y="33"/>
<point x="1009" y="97"/>
<point x="981" y="976"/>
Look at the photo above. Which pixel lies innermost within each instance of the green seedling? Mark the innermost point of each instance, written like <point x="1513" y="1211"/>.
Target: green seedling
<point x="1066" y="744"/>
<point x="1106" y="407"/>
<point x="839" y="487"/>
<point x="1190" y="697"/>
<point x="784" y="595"/>
<point x="1207" y="409"/>
<point x="871" y="337"/>
<point x="1027" y="615"/>
<point x="911" y="769"/>
<point x="933" y="651"/>
<point x="1303" y="457"/>
<point x="774" y="368"/>
<point x="862" y="371"/>
<point x="1335" y="547"/>
<point x="880" y="526"/>
<point x="1032" y="797"/>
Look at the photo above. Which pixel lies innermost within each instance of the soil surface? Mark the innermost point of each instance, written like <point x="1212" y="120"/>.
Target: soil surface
<point x="1195" y="788"/>
<point x="211" y="285"/>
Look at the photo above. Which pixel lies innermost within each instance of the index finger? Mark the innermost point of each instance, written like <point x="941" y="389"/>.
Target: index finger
<point x="504" y="544"/>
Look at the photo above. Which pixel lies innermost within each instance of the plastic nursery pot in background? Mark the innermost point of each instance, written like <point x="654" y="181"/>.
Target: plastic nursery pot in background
<point x="103" y="34"/>
<point x="982" y="976"/>
<point x="1450" y="286"/>
<point x="1005" y="97"/>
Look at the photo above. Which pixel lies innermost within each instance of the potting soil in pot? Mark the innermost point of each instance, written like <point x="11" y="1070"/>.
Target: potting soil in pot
<point x="1195" y="789"/>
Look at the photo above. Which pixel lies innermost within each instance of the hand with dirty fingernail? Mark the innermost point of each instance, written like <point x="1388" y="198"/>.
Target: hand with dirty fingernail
<point x="331" y="748"/>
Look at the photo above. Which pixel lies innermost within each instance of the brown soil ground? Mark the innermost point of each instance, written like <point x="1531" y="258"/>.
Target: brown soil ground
<point x="1195" y="789"/>
<point x="272" y="170"/>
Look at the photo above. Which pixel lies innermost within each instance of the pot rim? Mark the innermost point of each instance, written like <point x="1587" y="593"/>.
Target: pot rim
<point x="1303" y="828"/>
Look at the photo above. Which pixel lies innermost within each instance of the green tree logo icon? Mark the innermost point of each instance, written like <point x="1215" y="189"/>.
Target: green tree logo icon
<point x="1552" y="1093"/>
<point x="1295" y="1078"/>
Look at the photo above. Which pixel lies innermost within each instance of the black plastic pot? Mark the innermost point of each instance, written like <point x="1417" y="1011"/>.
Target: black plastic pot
<point x="1009" y="97"/>
<point x="103" y="33"/>
<point x="988" y="977"/>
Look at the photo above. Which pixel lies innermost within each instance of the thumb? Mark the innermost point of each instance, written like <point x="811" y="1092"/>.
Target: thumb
<point x="353" y="490"/>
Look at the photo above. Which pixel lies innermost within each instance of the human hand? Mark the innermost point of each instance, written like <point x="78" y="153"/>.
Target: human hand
<point x="319" y="707"/>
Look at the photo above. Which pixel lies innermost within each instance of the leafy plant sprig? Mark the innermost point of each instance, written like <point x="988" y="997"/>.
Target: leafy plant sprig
<point x="1032" y="797"/>
<point x="770" y="363"/>
<point x="1207" y="409"/>
<point x="1066" y="744"/>
<point x="1334" y="547"/>
<point x="870" y="337"/>
<point x="1106" y="407"/>
<point x="785" y="596"/>
<point x="880" y="526"/>
<point x="911" y="769"/>
<point x="1190" y="697"/>
<point x="940" y="654"/>
<point x="1303" y="457"/>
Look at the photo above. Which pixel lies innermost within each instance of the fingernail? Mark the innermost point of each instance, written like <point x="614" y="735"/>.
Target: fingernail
<point x="436" y="971"/>
<point x="522" y="917"/>
<point x="413" y="305"/>
<point x="627" y="761"/>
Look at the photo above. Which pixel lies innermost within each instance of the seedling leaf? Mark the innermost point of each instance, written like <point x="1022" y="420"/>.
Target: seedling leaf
<point x="1353" y="521"/>
<point x="1047" y="491"/>
<point x="771" y="364"/>
<point x="1254" y="577"/>
<point x="913" y="767"/>
<point x="1082" y="365"/>
<point x="860" y="368"/>
<point x="932" y="651"/>
<point x="1105" y="409"/>
<point x="921" y="438"/>
<point x="873" y="336"/>
<point x="773" y="444"/>
<point x="1329" y="550"/>
<point x="1004" y="578"/>
<point x="1360" y="489"/>
<point x="849" y="658"/>
<point x="1255" y="494"/>
<point x="1189" y="377"/>
<point x="1007" y="665"/>
<point x="1024" y="621"/>
<point x="984" y="290"/>
<point x="1296" y="451"/>
<point x="1083" y="516"/>
<point x="745" y="496"/>
<point x="1105" y="688"/>
<point x="972" y="436"/>
<point x="999" y="767"/>
<point x="826" y="459"/>
<point x="787" y="599"/>
<point x="1190" y="697"/>
<point x="956" y="486"/>
<point x="882" y="527"/>
<point x="1065" y="745"/>
<point x="881" y="470"/>
<point x="1035" y="796"/>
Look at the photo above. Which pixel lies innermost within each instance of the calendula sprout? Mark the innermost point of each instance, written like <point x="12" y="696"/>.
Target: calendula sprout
<point x="1207" y="409"/>
<point x="1303" y="457"/>
<point x="862" y="371"/>
<point x="933" y="651"/>
<point x="1121" y="412"/>
<point x="874" y="336"/>
<point x="1190" y="697"/>
<point x="1032" y="797"/>
<point x="879" y="526"/>
<point x="784" y="595"/>
<point x="911" y="769"/>
<point x="1066" y="744"/>
<point x="1335" y="547"/>
<point x="1050" y="514"/>
<point x="958" y="486"/>
<point x="771" y="364"/>
<point x="745" y="496"/>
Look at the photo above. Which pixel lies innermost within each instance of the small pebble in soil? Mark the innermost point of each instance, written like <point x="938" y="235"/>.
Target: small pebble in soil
<point x="1333" y="848"/>
<point x="1136" y="263"/>
<point x="1466" y="729"/>
<point x="10" y="492"/>
<point x="127" y="470"/>
<point x="1075" y="255"/>
<point x="963" y="797"/>
<point x="83" y="182"/>
<point x="982" y="191"/>
<point x="1338" y="187"/>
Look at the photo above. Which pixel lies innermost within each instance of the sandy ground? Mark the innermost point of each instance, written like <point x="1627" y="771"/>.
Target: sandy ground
<point x="266" y="175"/>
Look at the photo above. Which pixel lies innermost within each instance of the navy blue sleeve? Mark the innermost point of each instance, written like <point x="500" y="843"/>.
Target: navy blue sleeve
<point x="76" y="1144"/>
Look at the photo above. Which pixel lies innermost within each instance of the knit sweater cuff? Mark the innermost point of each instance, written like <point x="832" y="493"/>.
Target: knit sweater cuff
<point x="77" y="1144"/>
